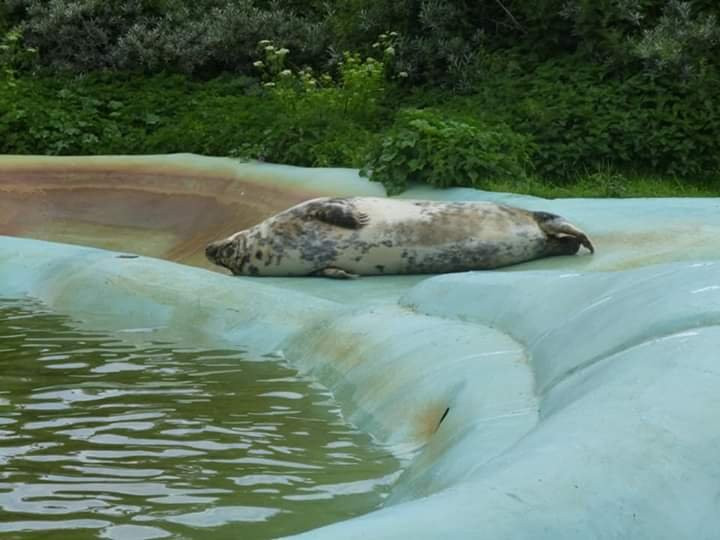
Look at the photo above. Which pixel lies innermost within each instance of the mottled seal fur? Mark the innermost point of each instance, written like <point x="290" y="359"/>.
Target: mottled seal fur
<point x="345" y="237"/>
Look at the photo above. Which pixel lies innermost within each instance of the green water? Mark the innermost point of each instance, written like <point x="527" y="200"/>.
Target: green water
<point x="100" y="438"/>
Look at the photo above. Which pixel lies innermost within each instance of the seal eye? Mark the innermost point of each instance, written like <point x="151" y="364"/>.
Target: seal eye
<point x="229" y="251"/>
<point x="258" y="255"/>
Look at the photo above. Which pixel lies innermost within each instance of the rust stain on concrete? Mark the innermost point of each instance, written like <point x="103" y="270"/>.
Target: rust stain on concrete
<point x="427" y="419"/>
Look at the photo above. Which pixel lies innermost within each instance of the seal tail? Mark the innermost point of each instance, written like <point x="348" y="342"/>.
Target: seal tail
<point x="557" y="226"/>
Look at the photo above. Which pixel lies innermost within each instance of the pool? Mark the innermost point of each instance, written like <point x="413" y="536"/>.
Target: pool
<point x="107" y="437"/>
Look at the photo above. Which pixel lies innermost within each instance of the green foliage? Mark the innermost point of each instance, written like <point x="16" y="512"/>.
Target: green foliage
<point x="424" y="147"/>
<point x="606" y="182"/>
<point x="14" y="55"/>
<point x="105" y="114"/>
<point x="576" y="90"/>
<point x="4" y="18"/>
<point x="214" y="125"/>
<point x="320" y="120"/>
<point x="680" y="43"/>
<point x="439" y="41"/>
<point x="444" y="42"/>
<point x="580" y="119"/>
<point x="202" y="38"/>
<point x="219" y="39"/>
<point x="667" y="36"/>
<point x="76" y="35"/>
<point x="84" y="116"/>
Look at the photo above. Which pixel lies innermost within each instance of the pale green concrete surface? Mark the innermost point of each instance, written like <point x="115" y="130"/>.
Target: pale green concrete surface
<point x="583" y="392"/>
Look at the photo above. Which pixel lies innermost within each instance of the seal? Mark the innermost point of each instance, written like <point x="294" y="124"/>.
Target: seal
<point x="347" y="237"/>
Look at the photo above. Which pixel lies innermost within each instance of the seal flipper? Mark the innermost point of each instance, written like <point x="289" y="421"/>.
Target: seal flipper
<point x="335" y="273"/>
<point x="338" y="212"/>
<point x="554" y="225"/>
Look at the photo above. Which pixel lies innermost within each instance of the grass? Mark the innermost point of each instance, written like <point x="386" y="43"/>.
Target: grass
<point x="600" y="185"/>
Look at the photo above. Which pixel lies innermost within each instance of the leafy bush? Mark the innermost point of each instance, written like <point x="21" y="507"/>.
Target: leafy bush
<point x="424" y="147"/>
<point x="14" y="55"/>
<point x="680" y="42"/>
<point x="577" y="90"/>
<point x="213" y="125"/>
<point x="445" y="41"/>
<point x="672" y="35"/>
<point x="581" y="119"/>
<point x="219" y="39"/>
<point x="439" y="41"/>
<point x="156" y="35"/>
<point x="320" y="120"/>
<point x="358" y="92"/>
<point x="105" y="114"/>
<point x="75" y="34"/>
<point x="85" y="116"/>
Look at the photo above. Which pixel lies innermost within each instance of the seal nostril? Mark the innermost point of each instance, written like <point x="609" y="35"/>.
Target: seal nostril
<point x="210" y="250"/>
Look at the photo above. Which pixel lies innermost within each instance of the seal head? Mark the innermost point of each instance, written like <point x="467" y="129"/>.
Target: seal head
<point x="232" y="253"/>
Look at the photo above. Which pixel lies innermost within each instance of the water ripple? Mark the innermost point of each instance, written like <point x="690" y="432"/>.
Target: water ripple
<point x="110" y="439"/>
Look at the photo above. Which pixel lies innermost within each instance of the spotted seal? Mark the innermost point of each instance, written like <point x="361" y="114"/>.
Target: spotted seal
<point x="346" y="237"/>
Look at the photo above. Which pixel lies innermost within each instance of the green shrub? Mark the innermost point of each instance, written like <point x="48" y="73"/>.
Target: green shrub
<point x="15" y="56"/>
<point x="219" y="39"/>
<point x="682" y="42"/>
<point x="202" y="38"/>
<point x="211" y="125"/>
<point x="319" y="120"/>
<point x="581" y="119"/>
<point x="90" y="115"/>
<point x="106" y="114"/>
<point x="424" y="147"/>
<point x="564" y="118"/>
<point x="357" y="92"/>
<point x="444" y="41"/>
<point x="438" y="42"/>
<point x="77" y="35"/>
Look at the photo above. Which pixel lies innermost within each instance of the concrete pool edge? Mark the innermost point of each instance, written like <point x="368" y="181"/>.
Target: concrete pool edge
<point x="628" y="392"/>
<point x="623" y="427"/>
<point x="395" y="373"/>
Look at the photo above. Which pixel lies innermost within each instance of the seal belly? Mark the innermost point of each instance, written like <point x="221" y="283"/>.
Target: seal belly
<point x="441" y="258"/>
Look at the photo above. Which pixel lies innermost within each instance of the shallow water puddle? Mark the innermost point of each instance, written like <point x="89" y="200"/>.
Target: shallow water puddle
<point x="100" y="438"/>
